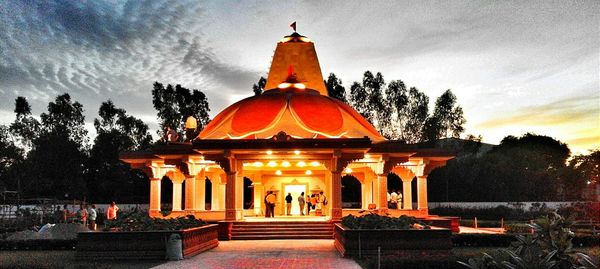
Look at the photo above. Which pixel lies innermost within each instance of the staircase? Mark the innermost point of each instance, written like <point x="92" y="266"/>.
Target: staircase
<point x="244" y="230"/>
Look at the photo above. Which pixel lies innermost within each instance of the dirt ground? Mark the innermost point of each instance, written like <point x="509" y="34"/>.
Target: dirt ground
<point x="62" y="259"/>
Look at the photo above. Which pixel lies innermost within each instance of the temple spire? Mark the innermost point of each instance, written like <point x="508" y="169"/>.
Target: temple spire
<point x="299" y="52"/>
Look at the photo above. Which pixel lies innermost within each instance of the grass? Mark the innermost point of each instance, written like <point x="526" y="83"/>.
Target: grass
<point x="62" y="259"/>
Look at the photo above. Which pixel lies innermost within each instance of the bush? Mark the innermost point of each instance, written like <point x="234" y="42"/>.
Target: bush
<point x="374" y="221"/>
<point x="140" y="221"/>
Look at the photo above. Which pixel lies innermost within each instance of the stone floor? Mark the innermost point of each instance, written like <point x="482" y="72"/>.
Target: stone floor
<point x="266" y="254"/>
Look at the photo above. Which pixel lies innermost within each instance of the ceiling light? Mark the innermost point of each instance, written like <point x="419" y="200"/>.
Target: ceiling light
<point x="314" y="164"/>
<point x="348" y="170"/>
<point x="367" y="156"/>
<point x="301" y="164"/>
<point x="285" y="164"/>
<point x="278" y="172"/>
<point x="269" y="152"/>
<point x="257" y="164"/>
<point x="272" y="164"/>
<point x="308" y="172"/>
<point x="297" y="152"/>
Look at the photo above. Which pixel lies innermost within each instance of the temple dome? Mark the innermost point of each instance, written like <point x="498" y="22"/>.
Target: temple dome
<point x="296" y="103"/>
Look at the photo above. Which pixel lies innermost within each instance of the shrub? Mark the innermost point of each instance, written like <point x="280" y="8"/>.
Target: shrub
<point x="374" y="221"/>
<point x="140" y="221"/>
<point x="550" y="246"/>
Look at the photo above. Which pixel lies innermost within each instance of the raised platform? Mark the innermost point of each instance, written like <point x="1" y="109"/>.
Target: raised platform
<point x="280" y="228"/>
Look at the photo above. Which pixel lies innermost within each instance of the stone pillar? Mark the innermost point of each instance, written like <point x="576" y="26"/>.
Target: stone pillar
<point x="222" y="194"/>
<point x="336" y="196"/>
<point x="177" y="194"/>
<point x="407" y="195"/>
<point x="216" y="194"/>
<point x="199" y="202"/>
<point x="382" y="184"/>
<point x="190" y="194"/>
<point x="154" y="196"/>
<point x="259" y="189"/>
<point x="233" y="196"/>
<point x="422" y="193"/>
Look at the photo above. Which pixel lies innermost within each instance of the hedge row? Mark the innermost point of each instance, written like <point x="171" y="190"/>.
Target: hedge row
<point x="504" y="240"/>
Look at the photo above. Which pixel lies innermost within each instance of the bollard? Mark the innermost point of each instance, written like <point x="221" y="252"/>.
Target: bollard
<point x="378" y="257"/>
<point x="502" y="223"/>
<point x="475" y="223"/>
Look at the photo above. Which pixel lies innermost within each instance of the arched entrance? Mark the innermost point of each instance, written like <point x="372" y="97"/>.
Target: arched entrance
<point x="351" y="192"/>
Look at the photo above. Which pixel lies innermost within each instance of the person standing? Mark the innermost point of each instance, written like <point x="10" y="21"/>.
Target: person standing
<point x="309" y="204"/>
<point x="288" y="204"/>
<point x="267" y="206"/>
<point x="111" y="212"/>
<point x="190" y="128"/>
<point x="271" y="199"/>
<point x="82" y="215"/>
<point x="323" y="201"/>
<point x="301" y="203"/>
<point x="399" y="202"/>
<point x="92" y="215"/>
<point x="394" y="200"/>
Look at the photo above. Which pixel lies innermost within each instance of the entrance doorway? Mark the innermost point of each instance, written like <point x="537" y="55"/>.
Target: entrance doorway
<point x="295" y="190"/>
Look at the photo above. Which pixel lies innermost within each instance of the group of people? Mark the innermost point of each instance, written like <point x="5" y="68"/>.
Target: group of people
<point x="314" y="202"/>
<point x="87" y="214"/>
<point x="394" y="199"/>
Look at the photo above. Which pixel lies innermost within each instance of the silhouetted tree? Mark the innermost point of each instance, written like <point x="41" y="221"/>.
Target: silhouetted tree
<point x="174" y="105"/>
<point x="447" y="119"/>
<point x="108" y="178"/>
<point x="416" y="112"/>
<point x="25" y="128"/>
<point x="394" y="118"/>
<point x="335" y="88"/>
<point x="358" y="95"/>
<point x="56" y="163"/>
<point x="259" y="87"/>
<point x="10" y="157"/>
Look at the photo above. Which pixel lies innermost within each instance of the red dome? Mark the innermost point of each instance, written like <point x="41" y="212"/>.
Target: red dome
<point x="300" y="113"/>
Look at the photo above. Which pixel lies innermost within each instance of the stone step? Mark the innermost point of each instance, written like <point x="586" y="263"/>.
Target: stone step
<point x="280" y="232"/>
<point x="284" y="226"/>
<point x="304" y="229"/>
<point x="279" y="236"/>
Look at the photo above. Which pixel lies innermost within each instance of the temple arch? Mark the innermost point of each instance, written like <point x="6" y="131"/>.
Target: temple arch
<point x="351" y="192"/>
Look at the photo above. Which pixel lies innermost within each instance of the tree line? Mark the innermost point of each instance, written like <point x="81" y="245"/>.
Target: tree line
<point x="52" y="156"/>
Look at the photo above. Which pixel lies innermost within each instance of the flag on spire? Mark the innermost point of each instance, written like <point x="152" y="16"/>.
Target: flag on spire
<point x="293" y="25"/>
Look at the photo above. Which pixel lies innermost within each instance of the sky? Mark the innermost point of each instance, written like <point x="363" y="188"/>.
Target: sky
<point x="515" y="66"/>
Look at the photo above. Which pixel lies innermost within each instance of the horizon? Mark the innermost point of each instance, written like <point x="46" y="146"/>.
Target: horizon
<point x="515" y="68"/>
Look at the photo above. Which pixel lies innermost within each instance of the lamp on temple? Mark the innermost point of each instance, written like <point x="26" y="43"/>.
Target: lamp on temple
<point x="190" y="128"/>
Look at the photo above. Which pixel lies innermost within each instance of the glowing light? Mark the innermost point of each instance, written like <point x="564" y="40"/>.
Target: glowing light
<point x="301" y="164"/>
<point x="285" y="164"/>
<point x="299" y="86"/>
<point x="286" y="39"/>
<point x="367" y="156"/>
<point x="315" y="164"/>
<point x="297" y="152"/>
<point x="284" y="85"/>
<point x="308" y="172"/>
<point x="348" y="170"/>
<point x="272" y="164"/>
<point x="305" y="39"/>
<point x="257" y="164"/>
<point x="278" y="172"/>
<point x="246" y="164"/>
<point x="269" y="152"/>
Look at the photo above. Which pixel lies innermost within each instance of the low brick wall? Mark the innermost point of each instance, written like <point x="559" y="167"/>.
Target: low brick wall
<point x="143" y="245"/>
<point x="350" y="242"/>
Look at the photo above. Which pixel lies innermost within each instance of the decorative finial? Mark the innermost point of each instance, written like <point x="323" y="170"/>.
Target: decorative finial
<point x="293" y="25"/>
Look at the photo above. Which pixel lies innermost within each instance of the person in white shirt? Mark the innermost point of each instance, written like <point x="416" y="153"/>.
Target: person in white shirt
<point x="394" y="200"/>
<point x="399" y="200"/>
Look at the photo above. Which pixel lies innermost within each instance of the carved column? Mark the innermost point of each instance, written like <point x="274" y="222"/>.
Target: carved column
<point x="422" y="193"/>
<point x="336" y="195"/>
<point x="177" y="193"/>
<point x="154" y="209"/>
<point x="215" y="203"/>
<point x="382" y="185"/>
<point x="407" y="196"/>
<point x="190" y="194"/>
<point x="233" y="196"/>
<point x="199" y="202"/>
<point x="259" y="189"/>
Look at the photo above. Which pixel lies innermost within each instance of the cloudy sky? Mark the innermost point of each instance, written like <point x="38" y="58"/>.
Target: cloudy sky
<point x="515" y="66"/>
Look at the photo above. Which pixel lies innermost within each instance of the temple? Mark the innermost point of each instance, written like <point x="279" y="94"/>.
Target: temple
<point x="293" y="138"/>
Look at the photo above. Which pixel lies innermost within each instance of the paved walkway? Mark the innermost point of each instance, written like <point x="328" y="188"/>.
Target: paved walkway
<point x="266" y="254"/>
